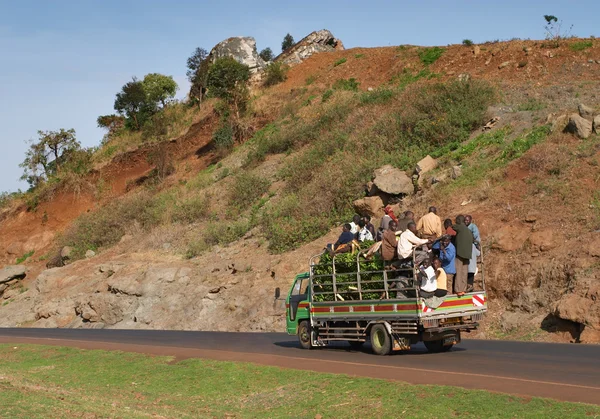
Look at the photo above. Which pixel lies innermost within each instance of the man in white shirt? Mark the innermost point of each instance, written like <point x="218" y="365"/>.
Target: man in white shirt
<point x="354" y="225"/>
<point x="363" y="232"/>
<point x="407" y="243"/>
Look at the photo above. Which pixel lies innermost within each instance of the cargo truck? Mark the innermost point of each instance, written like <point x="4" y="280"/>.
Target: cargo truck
<point x="351" y="299"/>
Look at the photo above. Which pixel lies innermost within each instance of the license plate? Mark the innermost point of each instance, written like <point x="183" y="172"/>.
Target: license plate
<point x="450" y="340"/>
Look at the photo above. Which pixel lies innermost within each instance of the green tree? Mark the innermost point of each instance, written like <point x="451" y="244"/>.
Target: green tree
<point x="45" y="157"/>
<point x="276" y="72"/>
<point x="159" y="88"/>
<point x="111" y="123"/>
<point x="288" y="41"/>
<point x="194" y="62"/>
<point x="266" y="54"/>
<point x="227" y="79"/>
<point x="197" y="72"/>
<point x="132" y="102"/>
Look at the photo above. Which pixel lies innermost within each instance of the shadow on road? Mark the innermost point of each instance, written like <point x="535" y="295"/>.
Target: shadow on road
<point x="418" y="349"/>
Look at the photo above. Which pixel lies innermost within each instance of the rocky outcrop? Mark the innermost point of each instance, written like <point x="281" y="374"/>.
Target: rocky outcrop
<point x="393" y="181"/>
<point x="11" y="273"/>
<point x="371" y="205"/>
<point x="579" y="126"/>
<point x="596" y="124"/>
<point x="240" y="48"/>
<point x="585" y="112"/>
<point x="319" y="41"/>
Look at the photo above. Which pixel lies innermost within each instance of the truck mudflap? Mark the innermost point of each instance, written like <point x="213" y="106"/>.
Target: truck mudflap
<point x="400" y="343"/>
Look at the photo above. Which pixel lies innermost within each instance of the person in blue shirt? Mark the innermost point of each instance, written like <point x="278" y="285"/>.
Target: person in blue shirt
<point x="447" y="257"/>
<point x="474" y="229"/>
<point x="345" y="238"/>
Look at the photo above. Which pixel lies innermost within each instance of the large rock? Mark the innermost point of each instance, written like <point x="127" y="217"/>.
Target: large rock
<point x="240" y="48"/>
<point x="574" y="308"/>
<point x="9" y="273"/>
<point x="371" y="205"/>
<point x="579" y="126"/>
<point x="319" y="41"/>
<point x="585" y="112"/>
<point x="510" y="237"/>
<point x="393" y="181"/>
<point x="427" y="164"/>
<point x="596" y="124"/>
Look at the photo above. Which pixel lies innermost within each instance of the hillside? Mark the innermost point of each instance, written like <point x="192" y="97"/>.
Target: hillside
<point x="203" y="246"/>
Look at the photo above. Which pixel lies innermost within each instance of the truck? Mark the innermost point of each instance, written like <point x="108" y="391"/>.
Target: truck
<point x="348" y="298"/>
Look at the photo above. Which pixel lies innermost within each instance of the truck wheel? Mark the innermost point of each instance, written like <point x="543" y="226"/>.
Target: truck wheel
<point x="304" y="333"/>
<point x="437" y="346"/>
<point x="380" y="340"/>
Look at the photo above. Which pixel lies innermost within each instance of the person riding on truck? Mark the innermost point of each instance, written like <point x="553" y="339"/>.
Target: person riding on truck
<point x="343" y="242"/>
<point x="464" y="251"/>
<point x="390" y="242"/>
<point x="409" y="242"/>
<point x="447" y="258"/>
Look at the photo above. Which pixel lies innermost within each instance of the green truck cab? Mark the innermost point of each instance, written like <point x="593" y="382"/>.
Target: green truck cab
<point x="345" y="298"/>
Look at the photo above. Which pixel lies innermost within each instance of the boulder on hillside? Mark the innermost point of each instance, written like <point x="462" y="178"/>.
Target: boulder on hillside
<point x="371" y="205"/>
<point x="585" y="112"/>
<point x="9" y="273"/>
<point x="579" y="126"/>
<point x="240" y="48"/>
<point x="510" y="237"/>
<point x="579" y="310"/>
<point x="393" y="181"/>
<point x="318" y="41"/>
<point x="596" y="124"/>
<point x="426" y="164"/>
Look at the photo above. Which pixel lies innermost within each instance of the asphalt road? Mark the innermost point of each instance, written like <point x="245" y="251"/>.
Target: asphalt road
<point x="562" y="371"/>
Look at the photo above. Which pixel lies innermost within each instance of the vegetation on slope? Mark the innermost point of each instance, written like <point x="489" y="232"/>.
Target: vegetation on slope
<point x="334" y="146"/>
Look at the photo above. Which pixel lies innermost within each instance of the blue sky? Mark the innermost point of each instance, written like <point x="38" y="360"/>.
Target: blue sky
<point x="64" y="61"/>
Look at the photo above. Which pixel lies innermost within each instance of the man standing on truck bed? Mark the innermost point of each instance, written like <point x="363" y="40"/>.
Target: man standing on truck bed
<point x="389" y="242"/>
<point x="464" y="251"/>
<point x="430" y="225"/>
<point x="409" y="242"/>
<point x="474" y="229"/>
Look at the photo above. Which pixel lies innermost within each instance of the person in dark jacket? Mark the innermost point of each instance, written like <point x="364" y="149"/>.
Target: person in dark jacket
<point x="345" y="238"/>
<point x="464" y="249"/>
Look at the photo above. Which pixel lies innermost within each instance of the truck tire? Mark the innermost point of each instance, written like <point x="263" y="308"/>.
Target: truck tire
<point x="381" y="342"/>
<point x="435" y="346"/>
<point x="304" y="333"/>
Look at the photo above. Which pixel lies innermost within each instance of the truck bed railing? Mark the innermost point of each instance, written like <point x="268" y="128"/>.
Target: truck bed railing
<point x="354" y="285"/>
<point x="359" y="284"/>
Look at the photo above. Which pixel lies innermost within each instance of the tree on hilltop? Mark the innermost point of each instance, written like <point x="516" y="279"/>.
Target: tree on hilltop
<point x="159" y="88"/>
<point x="131" y="102"/>
<point x="227" y="79"/>
<point x="45" y="156"/>
<point x="288" y="42"/>
<point x="194" y="62"/>
<point x="197" y="73"/>
<point x="266" y="54"/>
